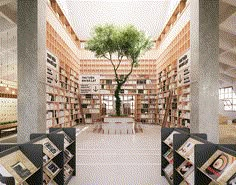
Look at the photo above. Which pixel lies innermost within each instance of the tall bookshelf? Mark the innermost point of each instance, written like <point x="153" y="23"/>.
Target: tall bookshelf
<point x="62" y="83"/>
<point x="174" y="76"/>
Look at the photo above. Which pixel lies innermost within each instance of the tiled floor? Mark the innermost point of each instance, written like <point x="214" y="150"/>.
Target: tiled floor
<point x="118" y="159"/>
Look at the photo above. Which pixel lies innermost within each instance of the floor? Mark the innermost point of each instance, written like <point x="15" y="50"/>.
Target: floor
<point x="118" y="159"/>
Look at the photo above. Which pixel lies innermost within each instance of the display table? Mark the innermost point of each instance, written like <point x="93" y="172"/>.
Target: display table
<point x="118" y="125"/>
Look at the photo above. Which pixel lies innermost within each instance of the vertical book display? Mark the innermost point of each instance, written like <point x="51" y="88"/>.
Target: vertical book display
<point x="52" y="156"/>
<point x="184" y="157"/>
<point x="215" y="164"/>
<point x="167" y="151"/>
<point x="69" y="151"/>
<point x="21" y="164"/>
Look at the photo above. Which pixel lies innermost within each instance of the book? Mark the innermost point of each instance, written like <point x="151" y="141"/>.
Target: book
<point x="21" y="170"/>
<point x="52" y="168"/>
<point x="169" y="139"/>
<point x="67" y="139"/>
<point x="169" y="170"/>
<point x="217" y="164"/>
<point x="67" y="155"/>
<point x="46" y="178"/>
<point x="185" y="168"/>
<point x="51" y="147"/>
<point x="187" y="149"/>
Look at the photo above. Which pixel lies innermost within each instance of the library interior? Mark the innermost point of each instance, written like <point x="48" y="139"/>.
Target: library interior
<point x="99" y="92"/>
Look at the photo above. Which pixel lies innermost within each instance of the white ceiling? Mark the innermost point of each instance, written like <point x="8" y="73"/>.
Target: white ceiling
<point x="148" y="16"/>
<point x="227" y="45"/>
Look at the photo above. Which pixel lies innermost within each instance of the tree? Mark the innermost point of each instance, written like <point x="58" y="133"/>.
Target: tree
<point x="116" y="44"/>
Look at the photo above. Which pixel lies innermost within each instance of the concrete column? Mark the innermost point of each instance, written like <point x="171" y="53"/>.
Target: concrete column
<point x="31" y="46"/>
<point x="204" y="38"/>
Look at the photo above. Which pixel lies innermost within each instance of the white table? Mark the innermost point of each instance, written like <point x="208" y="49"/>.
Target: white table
<point x="118" y="125"/>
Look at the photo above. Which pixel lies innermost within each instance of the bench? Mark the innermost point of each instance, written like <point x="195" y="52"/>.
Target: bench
<point x="8" y="127"/>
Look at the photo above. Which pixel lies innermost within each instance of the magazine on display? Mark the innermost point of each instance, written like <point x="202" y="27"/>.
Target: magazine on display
<point x="218" y="163"/>
<point x="187" y="149"/>
<point x="49" y="149"/>
<point x="169" y="171"/>
<point x="169" y="139"/>
<point x="168" y="152"/>
<point x="67" y="155"/>
<point x="185" y="168"/>
<point x="45" y="158"/>
<point x="68" y="170"/>
<point x="21" y="170"/>
<point x="67" y="139"/>
<point x="52" y="168"/>
<point x="46" y="178"/>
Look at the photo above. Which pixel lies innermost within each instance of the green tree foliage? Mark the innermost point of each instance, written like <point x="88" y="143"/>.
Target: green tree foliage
<point x="117" y="44"/>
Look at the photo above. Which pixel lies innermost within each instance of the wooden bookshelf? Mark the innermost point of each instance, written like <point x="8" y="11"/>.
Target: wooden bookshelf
<point x="168" y="72"/>
<point x="62" y="82"/>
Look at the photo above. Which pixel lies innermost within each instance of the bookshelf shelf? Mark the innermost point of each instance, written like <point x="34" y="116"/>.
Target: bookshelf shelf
<point x="169" y="68"/>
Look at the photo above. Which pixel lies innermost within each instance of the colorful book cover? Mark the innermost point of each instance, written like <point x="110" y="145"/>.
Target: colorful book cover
<point x="169" y="170"/>
<point x="228" y="175"/>
<point x="187" y="149"/>
<point x="217" y="164"/>
<point x="185" y="168"/>
<point x="169" y="139"/>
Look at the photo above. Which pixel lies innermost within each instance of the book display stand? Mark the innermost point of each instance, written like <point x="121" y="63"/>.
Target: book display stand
<point x="69" y="151"/>
<point x="215" y="164"/>
<point x="167" y="157"/>
<point x="183" y="147"/>
<point x="52" y="156"/>
<point x="21" y="164"/>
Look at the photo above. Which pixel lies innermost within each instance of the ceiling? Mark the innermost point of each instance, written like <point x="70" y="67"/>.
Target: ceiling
<point x="227" y="45"/>
<point x="148" y="16"/>
<point x="142" y="14"/>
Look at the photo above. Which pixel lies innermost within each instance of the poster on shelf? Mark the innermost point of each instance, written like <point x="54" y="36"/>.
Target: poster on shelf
<point x="183" y="69"/>
<point x="89" y="89"/>
<point x="89" y="84"/>
<point x="89" y="79"/>
<point x="52" y="69"/>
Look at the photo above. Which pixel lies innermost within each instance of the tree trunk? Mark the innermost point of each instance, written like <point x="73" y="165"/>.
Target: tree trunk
<point x="118" y="101"/>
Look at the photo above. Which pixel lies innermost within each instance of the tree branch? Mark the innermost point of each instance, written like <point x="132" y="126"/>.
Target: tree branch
<point x="120" y="59"/>
<point x="131" y="70"/>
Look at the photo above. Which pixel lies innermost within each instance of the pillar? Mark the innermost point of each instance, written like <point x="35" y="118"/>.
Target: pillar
<point x="31" y="67"/>
<point x="204" y="38"/>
